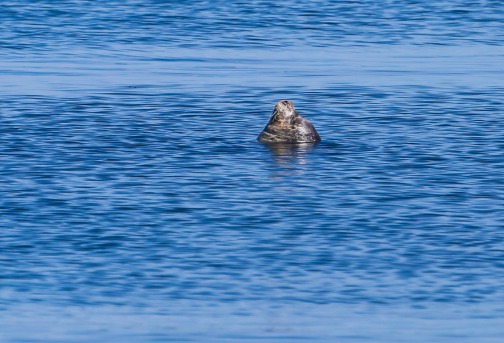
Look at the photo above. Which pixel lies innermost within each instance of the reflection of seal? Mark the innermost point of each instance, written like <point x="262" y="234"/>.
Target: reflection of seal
<point x="287" y="126"/>
<point x="288" y="151"/>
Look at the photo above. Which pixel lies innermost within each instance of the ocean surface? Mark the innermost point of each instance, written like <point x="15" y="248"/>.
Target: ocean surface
<point x="137" y="206"/>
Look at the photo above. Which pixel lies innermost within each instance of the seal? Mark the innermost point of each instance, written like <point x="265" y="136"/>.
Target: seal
<point x="286" y="125"/>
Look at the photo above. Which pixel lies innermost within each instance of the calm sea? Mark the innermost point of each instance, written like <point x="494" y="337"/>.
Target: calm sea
<point x="137" y="206"/>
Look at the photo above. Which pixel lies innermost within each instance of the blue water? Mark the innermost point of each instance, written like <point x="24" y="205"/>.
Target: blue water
<point x="137" y="206"/>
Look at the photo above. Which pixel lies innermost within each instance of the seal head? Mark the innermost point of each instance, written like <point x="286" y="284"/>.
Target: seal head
<point x="286" y="125"/>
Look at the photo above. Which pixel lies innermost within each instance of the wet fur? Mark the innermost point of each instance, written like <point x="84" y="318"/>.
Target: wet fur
<point x="286" y="125"/>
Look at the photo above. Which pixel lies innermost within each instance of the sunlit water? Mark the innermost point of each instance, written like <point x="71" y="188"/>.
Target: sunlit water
<point x="137" y="206"/>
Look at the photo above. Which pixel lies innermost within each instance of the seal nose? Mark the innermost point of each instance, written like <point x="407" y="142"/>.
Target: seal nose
<point x="285" y="105"/>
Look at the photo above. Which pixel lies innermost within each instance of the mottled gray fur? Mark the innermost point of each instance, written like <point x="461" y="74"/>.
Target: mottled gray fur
<point x="286" y="125"/>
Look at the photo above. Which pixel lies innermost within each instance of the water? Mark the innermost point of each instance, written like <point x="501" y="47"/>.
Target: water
<point x="137" y="206"/>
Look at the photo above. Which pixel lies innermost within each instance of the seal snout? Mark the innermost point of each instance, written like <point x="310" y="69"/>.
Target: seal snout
<point x="284" y="106"/>
<point x="284" y="109"/>
<point x="285" y="103"/>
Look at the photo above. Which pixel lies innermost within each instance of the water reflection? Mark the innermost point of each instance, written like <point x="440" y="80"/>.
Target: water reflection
<point x="285" y="154"/>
